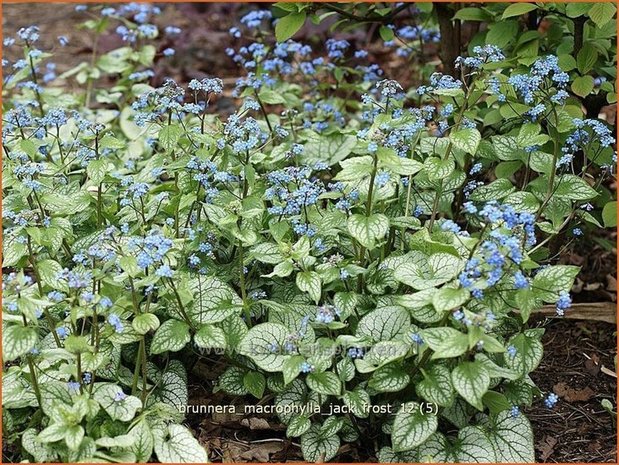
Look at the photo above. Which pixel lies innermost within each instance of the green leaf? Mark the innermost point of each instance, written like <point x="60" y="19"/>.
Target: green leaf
<point x="257" y="345"/>
<point x="106" y="394"/>
<point x="582" y="85"/>
<point x="309" y="281"/>
<point x="288" y="26"/>
<point x="528" y="355"/>
<point x="446" y="342"/>
<point x="210" y="337"/>
<point x="255" y="383"/>
<point x="97" y="169"/>
<point x="389" y="378"/>
<point x="17" y="340"/>
<point x="271" y="97"/>
<point x="587" y="58"/>
<point x="496" y="402"/>
<point x="143" y="441"/>
<point x="472" y="14"/>
<point x="502" y="33"/>
<point x="214" y="300"/>
<point x="179" y="446"/>
<point x="471" y="380"/>
<point x="411" y="427"/>
<point x="573" y="187"/>
<point x="358" y="401"/>
<point x="332" y="148"/>
<point x="512" y="438"/>
<point x="315" y="446"/>
<point x="73" y="436"/>
<point x="383" y="324"/>
<point x="292" y="368"/>
<point x="231" y="381"/>
<point x="368" y="229"/>
<point x="424" y="274"/>
<point x="436" y="386"/>
<point x="48" y="271"/>
<point x="267" y="252"/>
<point x="517" y="9"/>
<point x="496" y="190"/>
<point x="171" y="336"/>
<point x="298" y="426"/>
<point x="609" y="214"/>
<point x="169" y="136"/>
<point x="42" y="452"/>
<point x="437" y="168"/>
<point x="601" y="13"/>
<point x="145" y="323"/>
<point x="466" y="140"/>
<point x="550" y="281"/>
<point x="327" y="383"/>
<point x="386" y="33"/>
<point x="474" y="446"/>
<point x="448" y="298"/>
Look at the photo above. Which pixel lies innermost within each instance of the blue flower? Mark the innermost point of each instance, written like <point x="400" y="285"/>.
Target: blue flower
<point x="564" y="302"/>
<point x="520" y="280"/>
<point x="73" y="386"/>
<point x="114" y="320"/>
<point x="306" y="367"/>
<point x="164" y="271"/>
<point x="551" y="400"/>
<point x="62" y="332"/>
<point x="511" y="351"/>
<point x="514" y="411"/>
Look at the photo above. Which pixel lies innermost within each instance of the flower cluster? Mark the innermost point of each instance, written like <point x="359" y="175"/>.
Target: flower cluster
<point x="292" y="190"/>
<point x="509" y="234"/>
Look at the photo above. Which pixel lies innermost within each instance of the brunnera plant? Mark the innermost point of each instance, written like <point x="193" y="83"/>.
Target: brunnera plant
<point x="341" y="242"/>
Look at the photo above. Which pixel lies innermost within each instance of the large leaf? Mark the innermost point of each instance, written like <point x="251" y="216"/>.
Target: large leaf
<point x="288" y="25"/>
<point x="446" y="342"/>
<point x="214" y="300"/>
<point x="259" y="344"/>
<point x="327" y="383"/>
<point x="171" y="336"/>
<point x="383" y="324"/>
<point x="118" y="405"/>
<point x="471" y="380"/>
<point x="411" y="427"/>
<point x="17" y="340"/>
<point x="179" y="446"/>
<point x="316" y="446"/>
<point x="309" y="281"/>
<point x="424" y="274"/>
<point x="368" y="229"/>
<point x="436" y="386"/>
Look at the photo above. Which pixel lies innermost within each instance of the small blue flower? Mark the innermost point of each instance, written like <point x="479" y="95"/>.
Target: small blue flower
<point x="564" y="302"/>
<point x="73" y="386"/>
<point x="511" y="351"/>
<point x="514" y="411"/>
<point x="551" y="400"/>
<point x="307" y="367"/>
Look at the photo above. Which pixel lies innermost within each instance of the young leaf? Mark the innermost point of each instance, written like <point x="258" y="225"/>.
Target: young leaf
<point x="288" y="25"/>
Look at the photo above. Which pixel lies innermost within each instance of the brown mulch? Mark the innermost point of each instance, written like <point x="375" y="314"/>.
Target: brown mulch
<point x="578" y="429"/>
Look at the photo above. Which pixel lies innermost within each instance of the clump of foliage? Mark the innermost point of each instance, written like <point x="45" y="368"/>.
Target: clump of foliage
<point x="338" y="240"/>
